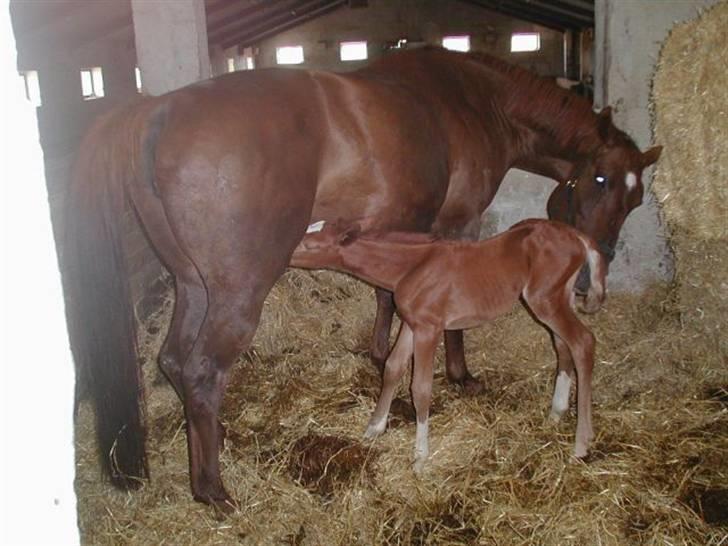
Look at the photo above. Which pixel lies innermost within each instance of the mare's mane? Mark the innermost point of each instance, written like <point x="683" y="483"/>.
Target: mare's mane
<point x="538" y="101"/>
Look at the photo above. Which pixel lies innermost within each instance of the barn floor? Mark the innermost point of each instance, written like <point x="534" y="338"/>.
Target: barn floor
<point x="499" y="473"/>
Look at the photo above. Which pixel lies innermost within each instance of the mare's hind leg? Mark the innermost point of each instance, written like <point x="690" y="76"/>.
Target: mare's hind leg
<point x="393" y="371"/>
<point x="455" y="368"/>
<point x="564" y="373"/>
<point x="189" y="311"/>
<point x="561" y="319"/>
<point x="227" y="329"/>
<point x="382" y="326"/>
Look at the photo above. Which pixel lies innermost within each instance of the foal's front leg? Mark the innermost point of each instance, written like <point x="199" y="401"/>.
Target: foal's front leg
<point x="425" y="343"/>
<point x="564" y="376"/>
<point x="394" y="369"/>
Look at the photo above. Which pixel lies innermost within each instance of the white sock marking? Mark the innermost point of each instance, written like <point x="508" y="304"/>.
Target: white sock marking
<point x="560" y="402"/>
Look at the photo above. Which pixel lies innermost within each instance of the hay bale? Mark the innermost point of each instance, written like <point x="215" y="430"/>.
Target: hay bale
<point x="690" y="104"/>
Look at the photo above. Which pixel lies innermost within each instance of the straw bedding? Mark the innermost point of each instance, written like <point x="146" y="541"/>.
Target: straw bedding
<point x="499" y="472"/>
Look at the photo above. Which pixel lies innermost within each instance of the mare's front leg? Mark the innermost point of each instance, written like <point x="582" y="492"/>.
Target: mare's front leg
<point x="455" y="367"/>
<point x="425" y="343"/>
<point x="382" y="326"/>
<point x="393" y="371"/>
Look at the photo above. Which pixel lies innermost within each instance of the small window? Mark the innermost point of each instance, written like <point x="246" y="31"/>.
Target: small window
<point x="525" y="42"/>
<point x="138" y="78"/>
<point x="456" y="43"/>
<point x="353" y="51"/>
<point x="249" y="63"/>
<point x="231" y="64"/>
<point x="92" y="83"/>
<point x="32" y="86"/>
<point x="289" y="55"/>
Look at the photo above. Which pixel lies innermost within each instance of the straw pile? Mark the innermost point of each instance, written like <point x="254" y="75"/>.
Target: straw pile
<point x="499" y="472"/>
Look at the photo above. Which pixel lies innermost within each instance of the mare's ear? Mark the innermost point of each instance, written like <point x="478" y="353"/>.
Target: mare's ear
<point x="604" y="122"/>
<point x="349" y="234"/>
<point x="651" y="155"/>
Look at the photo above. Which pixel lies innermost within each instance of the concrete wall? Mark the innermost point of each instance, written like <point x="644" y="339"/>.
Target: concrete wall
<point x="384" y="22"/>
<point x="629" y="35"/>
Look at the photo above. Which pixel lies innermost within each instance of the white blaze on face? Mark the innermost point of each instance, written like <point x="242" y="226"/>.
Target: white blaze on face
<point x="315" y="227"/>
<point x="630" y="181"/>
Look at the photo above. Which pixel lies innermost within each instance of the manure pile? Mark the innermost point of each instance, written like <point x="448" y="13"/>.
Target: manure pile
<point x="500" y="472"/>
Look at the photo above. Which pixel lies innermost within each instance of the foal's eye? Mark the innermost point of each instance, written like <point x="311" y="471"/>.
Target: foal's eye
<point x="601" y="180"/>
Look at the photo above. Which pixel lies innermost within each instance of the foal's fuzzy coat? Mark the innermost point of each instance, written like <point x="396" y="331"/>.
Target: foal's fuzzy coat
<point x="441" y="285"/>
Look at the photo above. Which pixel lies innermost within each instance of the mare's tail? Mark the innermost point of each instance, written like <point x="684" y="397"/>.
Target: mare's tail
<point x="597" y="276"/>
<point x="117" y="150"/>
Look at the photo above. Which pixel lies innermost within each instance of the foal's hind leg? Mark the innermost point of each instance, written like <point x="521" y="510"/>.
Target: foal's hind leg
<point x="425" y="345"/>
<point x="564" y="373"/>
<point x="393" y="371"/>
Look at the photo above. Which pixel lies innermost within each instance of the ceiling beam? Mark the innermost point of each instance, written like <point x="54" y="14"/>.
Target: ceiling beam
<point x="529" y="16"/>
<point x="260" y="33"/>
<point x="252" y="15"/>
<point x="553" y="8"/>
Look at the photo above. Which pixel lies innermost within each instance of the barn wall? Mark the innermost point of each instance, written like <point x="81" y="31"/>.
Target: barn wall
<point x="64" y="115"/>
<point x="384" y="22"/>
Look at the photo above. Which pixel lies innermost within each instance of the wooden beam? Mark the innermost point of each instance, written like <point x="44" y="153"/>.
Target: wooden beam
<point x="251" y="38"/>
<point x="233" y="21"/>
<point x="497" y="6"/>
<point x="274" y="20"/>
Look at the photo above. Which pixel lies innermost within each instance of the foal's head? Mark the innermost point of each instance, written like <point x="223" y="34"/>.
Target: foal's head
<point x="605" y="188"/>
<point x="320" y="247"/>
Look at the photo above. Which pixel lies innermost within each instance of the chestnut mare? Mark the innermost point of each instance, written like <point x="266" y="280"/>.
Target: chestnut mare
<point x="225" y="175"/>
<point x="456" y="284"/>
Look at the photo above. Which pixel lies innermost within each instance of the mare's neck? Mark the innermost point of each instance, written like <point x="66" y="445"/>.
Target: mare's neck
<point x="380" y="262"/>
<point x="552" y="129"/>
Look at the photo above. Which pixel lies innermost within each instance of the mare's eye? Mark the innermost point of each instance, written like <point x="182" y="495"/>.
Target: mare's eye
<point x="601" y="180"/>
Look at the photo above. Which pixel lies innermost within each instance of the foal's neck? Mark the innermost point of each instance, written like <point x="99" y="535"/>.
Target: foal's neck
<point x="382" y="263"/>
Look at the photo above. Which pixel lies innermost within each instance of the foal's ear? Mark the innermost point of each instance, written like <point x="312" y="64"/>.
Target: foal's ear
<point x="651" y="155"/>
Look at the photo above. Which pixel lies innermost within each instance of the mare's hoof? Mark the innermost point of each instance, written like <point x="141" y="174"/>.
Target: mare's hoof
<point x="555" y="417"/>
<point x="419" y="466"/>
<point x="223" y="504"/>
<point x="470" y="385"/>
<point x="580" y="452"/>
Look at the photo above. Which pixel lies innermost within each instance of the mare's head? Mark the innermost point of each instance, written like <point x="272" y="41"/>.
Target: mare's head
<point x="320" y="247"/>
<point x="605" y="188"/>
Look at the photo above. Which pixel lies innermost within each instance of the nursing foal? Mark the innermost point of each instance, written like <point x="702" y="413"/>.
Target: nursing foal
<point x="446" y="285"/>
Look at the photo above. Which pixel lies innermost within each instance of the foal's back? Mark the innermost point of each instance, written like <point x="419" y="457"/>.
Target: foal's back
<point x="462" y="284"/>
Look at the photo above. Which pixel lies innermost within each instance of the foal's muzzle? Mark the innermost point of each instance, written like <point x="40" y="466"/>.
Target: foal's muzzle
<point x="582" y="281"/>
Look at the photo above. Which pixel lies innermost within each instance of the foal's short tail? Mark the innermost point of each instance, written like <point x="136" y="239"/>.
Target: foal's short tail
<point x="101" y="323"/>
<point x="597" y="276"/>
